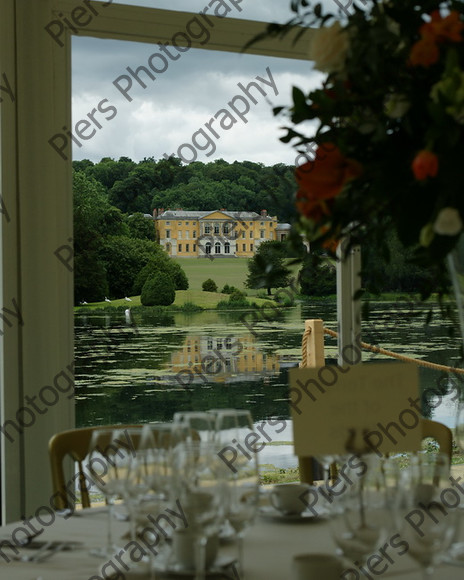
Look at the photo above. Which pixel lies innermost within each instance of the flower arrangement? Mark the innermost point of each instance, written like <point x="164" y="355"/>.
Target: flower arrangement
<point x="388" y="150"/>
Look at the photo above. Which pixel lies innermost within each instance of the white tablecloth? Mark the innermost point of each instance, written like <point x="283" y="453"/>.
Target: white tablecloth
<point x="269" y="548"/>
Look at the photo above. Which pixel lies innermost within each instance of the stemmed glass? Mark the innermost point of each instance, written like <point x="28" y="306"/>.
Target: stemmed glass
<point x="110" y="453"/>
<point x="234" y="430"/>
<point x="201" y="424"/>
<point x="198" y="486"/>
<point x="362" y="515"/>
<point x="428" y="516"/>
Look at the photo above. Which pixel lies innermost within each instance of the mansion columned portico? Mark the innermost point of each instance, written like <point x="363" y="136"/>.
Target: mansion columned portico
<point x="194" y="234"/>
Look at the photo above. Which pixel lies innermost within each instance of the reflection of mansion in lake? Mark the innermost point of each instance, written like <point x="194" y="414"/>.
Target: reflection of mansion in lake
<point x="219" y="359"/>
<point x="218" y="233"/>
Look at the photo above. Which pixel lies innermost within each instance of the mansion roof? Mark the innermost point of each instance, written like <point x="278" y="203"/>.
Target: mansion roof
<point x="198" y="215"/>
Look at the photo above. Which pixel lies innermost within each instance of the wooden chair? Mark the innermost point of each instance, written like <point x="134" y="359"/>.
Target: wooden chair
<point x="441" y="433"/>
<point x="74" y="443"/>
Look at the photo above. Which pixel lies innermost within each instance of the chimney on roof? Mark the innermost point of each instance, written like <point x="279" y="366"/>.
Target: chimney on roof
<point x="155" y="213"/>
<point x="264" y="212"/>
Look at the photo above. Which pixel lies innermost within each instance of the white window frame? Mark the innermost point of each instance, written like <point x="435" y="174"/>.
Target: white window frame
<point x="36" y="186"/>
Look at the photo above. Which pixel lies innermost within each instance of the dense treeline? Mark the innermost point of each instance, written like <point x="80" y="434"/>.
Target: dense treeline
<point x="113" y="241"/>
<point x="239" y="186"/>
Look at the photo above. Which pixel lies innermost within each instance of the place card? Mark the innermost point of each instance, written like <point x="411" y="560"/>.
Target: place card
<point x="369" y="407"/>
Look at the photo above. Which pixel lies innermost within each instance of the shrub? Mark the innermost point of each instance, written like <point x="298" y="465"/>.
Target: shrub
<point x="209" y="286"/>
<point x="237" y="296"/>
<point x="159" y="290"/>
<point x="230" y="289"/>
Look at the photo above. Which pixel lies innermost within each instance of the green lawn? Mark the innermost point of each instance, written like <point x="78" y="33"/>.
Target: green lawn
<point x="232" y="271"/>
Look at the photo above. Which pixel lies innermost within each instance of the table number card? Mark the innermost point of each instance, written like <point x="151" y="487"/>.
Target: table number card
<point x="369" y="407"/>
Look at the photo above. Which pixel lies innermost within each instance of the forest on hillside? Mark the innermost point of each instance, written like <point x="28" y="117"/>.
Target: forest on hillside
<point x="113" y="241"/>
<point x="240" y="186"/>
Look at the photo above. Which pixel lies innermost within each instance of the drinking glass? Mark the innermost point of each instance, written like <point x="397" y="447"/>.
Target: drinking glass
<point x="428" y="511"/>
<point x="198" y="485"/>
<point x="110" y="453"/>
<point x="362" y="515"/>
<point x="201" y="424"/>
<point x="234" y="430"/>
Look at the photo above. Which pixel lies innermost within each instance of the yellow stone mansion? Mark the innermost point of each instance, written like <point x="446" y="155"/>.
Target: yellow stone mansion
<point x="196" y="234"/>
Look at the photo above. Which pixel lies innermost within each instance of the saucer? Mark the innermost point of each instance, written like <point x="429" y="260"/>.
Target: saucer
<point x="221" y="564"/>
<point x="271" y="513"/>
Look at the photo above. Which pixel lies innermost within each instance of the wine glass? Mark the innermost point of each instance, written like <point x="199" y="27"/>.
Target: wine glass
<point x="428" y="512"/>
<point x="110" y="453"/>
<point x="200" y="424"/>
<point x="198" y="485"/>
<point x="234" y="430"/>
<point x="362" y="515"/>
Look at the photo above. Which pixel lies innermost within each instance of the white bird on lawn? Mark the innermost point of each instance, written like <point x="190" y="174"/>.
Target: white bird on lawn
<point x="107" y="299"/>
<point x="128" y="299"/>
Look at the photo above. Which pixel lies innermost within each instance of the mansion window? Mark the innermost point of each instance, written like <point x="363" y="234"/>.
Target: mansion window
<point x="243" y="235"/>
<point x="216" y="228"/>
<point x="227" y="248"/>
<point x="179" y="223"/>
<point x="168" y="233"/>
<point x="208" y="248"/>
<point x="194" y="234"/>
<point x="194" y="247"/>
<point x="187" y="248"/>
<point x="244" y="247"/>
<point x="207" y="229"/>
<point x="251" y="247"/>
<point x="262" y="234"/>
<point x="251" y="234"/>
<point x="187" y="235"/>
<point x="168" y="223"/>
<point x="217" y="248"/>
<point x="179" y="235"/>
<point x="180" y="247"/>
<point x="225" y="229"/>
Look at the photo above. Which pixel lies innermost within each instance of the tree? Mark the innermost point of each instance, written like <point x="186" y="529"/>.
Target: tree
<point x="158" y="291"/>
<point x="165" y="265"/>
<point x="124" y="258"/>
<point x="141" y="227"/>
<point x="317" y="276"/>
<point x="267" y="269"/>
<point x="209" y="285"/>
<point x="90" y="208"/>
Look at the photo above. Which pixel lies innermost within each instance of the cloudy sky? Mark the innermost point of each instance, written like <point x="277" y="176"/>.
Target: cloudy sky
<point x="165" y="115"/>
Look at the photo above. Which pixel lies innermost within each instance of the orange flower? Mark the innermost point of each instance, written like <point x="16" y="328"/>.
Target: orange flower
<point x="424" y="53"/>
<point x="425" y="164"/>
<point x="441" y="29"/>
<point x="325" y="177"/>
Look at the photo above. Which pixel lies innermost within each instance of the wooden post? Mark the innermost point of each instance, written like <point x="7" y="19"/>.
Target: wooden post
<point x="313" y="344"/>
<point x="312" y="356"/>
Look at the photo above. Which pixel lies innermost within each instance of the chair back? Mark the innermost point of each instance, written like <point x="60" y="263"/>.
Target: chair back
<point x="441" y="433"/>
<point x="74" y="443"/>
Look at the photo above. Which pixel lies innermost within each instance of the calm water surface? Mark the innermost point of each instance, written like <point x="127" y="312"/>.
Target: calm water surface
<point x="145" y="369"/>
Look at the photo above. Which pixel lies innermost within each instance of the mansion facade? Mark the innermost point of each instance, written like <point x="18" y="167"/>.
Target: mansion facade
<point x="208" y="234"/>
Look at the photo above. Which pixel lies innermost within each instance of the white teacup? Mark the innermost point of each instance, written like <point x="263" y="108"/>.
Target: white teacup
<point x="317" y="567"/>
<point x="289" y="498"/>
<point x="183" y="550"/>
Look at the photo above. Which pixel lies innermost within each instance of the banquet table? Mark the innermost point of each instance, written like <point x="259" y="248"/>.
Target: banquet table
<point x="269" y="547"/>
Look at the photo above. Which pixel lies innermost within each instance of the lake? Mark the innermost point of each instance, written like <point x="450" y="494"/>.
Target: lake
<point x="146" y="367"/>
